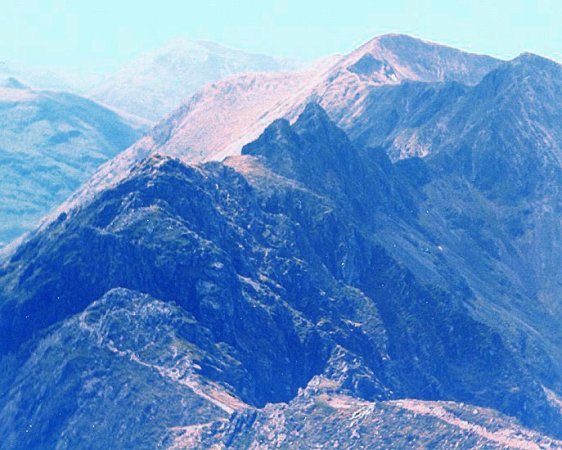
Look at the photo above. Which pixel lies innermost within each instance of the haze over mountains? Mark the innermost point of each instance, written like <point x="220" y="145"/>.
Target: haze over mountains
<point x="364" y="253"/>
<point x="44" y="78"/>
<point x="156" y="83"/>
<point x="50" y="143"/>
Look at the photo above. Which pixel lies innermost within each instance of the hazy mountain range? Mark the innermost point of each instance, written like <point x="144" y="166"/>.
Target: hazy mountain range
<point x="50" y="143"/>
<point x="156" y="83"/>
<point x="45" y="78"/>
<point x="362" y="253"/>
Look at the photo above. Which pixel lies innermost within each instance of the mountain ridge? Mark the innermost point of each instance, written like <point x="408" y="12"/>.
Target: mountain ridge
<point x="280" y="262"/>
<point x="208" y="128"/>
<point x="399" y="277"/>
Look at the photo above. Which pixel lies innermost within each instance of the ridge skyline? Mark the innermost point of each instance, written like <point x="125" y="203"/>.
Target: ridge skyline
<point x="74" y="79"/>
<point x="99" y="36"/>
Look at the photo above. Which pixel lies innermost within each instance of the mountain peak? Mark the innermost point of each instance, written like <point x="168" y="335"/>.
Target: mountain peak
<point x="313" y="151"/>
<point x="313" y="109"/>
<point x="313" y="117"/>
<point x="399" y="38"/>
<point x="392" y="58"/>
<point x="528" y="68"/>
<point x="399" y="42"/>
<point x="181" y="43"/>
<point x="529" y="59"/>
<point x="313" y="121"/>
<point x="279" y="130"/>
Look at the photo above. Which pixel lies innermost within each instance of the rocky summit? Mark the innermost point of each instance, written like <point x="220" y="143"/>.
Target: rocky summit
<point x="308" y="292"/>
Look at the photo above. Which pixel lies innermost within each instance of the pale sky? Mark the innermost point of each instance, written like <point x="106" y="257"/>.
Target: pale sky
<point x="99" y="35"/>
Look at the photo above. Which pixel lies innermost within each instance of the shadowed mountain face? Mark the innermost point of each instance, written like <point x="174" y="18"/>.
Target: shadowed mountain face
<point x="513" y="109"/>
<point x="50" y="143"/>
<point x="305" y="258"/>
<point x="501" y="141"/>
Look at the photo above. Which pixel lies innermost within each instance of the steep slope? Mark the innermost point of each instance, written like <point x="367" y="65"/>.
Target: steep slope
<point x="241" y="107"/>
<point x="156" y="83"/>
<point x="501" y="140"/>
<point x="50" y="142"/>
<point x="279" y="256"/>
<point x="516" y="102"/>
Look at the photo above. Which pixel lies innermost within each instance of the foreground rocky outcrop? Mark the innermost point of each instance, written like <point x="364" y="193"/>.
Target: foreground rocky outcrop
<point x="115" y="375"/>
<point x="320" y="417"/>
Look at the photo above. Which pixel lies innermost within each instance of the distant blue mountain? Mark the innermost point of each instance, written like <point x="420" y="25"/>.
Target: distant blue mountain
<point x="50" y="143"/>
